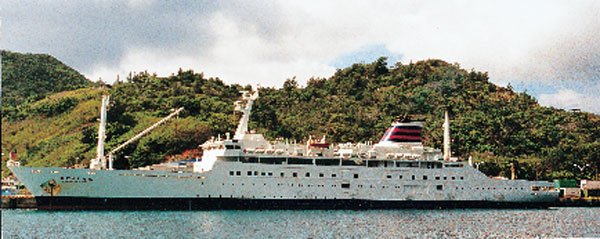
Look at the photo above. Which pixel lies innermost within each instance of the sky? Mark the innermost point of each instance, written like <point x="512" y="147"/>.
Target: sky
<point x="550" y="49"/>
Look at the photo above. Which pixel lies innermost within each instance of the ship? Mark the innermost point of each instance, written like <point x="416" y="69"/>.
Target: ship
<point x="246" y="171"/>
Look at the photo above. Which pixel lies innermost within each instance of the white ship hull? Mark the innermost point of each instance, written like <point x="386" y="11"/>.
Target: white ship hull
<point x="348" y="186"/>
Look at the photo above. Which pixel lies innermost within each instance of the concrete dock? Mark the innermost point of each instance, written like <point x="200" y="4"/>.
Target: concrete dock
<point x="18" y="201"/>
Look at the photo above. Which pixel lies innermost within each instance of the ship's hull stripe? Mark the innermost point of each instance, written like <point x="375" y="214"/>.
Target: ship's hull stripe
<point x="81" y="203"/>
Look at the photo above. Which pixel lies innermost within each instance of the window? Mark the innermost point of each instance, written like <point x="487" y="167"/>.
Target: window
<point x="272" y="160"/>
<point x="437" y="177"/>
<point x="238" y="173"/>
<point x="282" y="174"/>
<point x="453" y="178"/>
<point x="230" y="173"/>
<point x="462" y="178"/>
<point x="424" y="177"/>
<point x="356" y="175"/>
<point x="294" y="174"/>
<point x="320" y="175"/>
<point x="440" y="187"/>
<point x="389" y="176"/>
<point x="307" y="161"/>
<point x="445" y="178"/>
<point x="413" y="177"/>
<point x="372" y="163"/>
<point x="400" y="177"/>
<point x="329" y="162"/>
<point x="255" y="173"/>
<point x="333" y="175"/>
<point x="249" y="173"/>
<point x="270" y="174"/>
<point x="345" y="185"/>
<point x="307" y="174"/>
<point x="263" y="174"/>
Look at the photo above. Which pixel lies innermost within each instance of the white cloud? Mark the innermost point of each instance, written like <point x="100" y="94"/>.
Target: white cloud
<point x="570" y="99"/>
<point x="550" y="43"/>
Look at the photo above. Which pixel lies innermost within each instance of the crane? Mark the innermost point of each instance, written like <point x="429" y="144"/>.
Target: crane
<point x="138" y="136"/>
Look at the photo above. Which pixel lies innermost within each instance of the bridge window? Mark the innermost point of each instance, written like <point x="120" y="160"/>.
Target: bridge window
<point x="327" y="162"/>
<point x="272" y="160"/>
<point x="300" y="161"/>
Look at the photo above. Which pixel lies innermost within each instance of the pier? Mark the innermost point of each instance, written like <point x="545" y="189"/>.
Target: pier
<point x="18" y="201"/>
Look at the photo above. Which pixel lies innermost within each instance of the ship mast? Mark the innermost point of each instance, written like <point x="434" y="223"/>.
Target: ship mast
<point x="249" y="99"/>
<point x="100" y="161"/>
<point x="447" y="153"/>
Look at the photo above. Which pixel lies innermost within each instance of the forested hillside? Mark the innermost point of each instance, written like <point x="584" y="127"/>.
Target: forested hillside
<point x="490" y="123"/>
<point x="30" y="77"/>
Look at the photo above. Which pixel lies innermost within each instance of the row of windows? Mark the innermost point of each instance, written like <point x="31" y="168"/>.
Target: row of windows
<point x="242" y="196"/>
<point x="333" y="175"/>
<point x="282" y="174"/>
<point x="347" y="185"/>
<point x="342" y="185"/>
<point x="339" y="162"/>
<point x="159" y="175"/>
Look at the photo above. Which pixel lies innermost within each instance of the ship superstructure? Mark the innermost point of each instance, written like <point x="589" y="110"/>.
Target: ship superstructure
<point x="247" y="171"/>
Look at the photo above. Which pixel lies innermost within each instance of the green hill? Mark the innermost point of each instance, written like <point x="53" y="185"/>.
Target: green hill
<point x="30" y="77"/>
<point x="490" y="123"/>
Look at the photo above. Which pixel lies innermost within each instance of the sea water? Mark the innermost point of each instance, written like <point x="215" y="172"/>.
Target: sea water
<point x="464" y="223"/>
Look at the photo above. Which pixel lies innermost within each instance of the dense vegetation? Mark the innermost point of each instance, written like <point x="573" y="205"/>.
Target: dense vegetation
<point x="490" y="123"/>
<point x="27" y="78"/>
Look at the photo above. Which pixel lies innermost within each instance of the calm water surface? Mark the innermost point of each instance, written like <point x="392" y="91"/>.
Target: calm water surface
<point x="470" y="223"/>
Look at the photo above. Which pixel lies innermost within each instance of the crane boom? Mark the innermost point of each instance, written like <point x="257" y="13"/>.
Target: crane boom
<point x="136" y="137"/>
